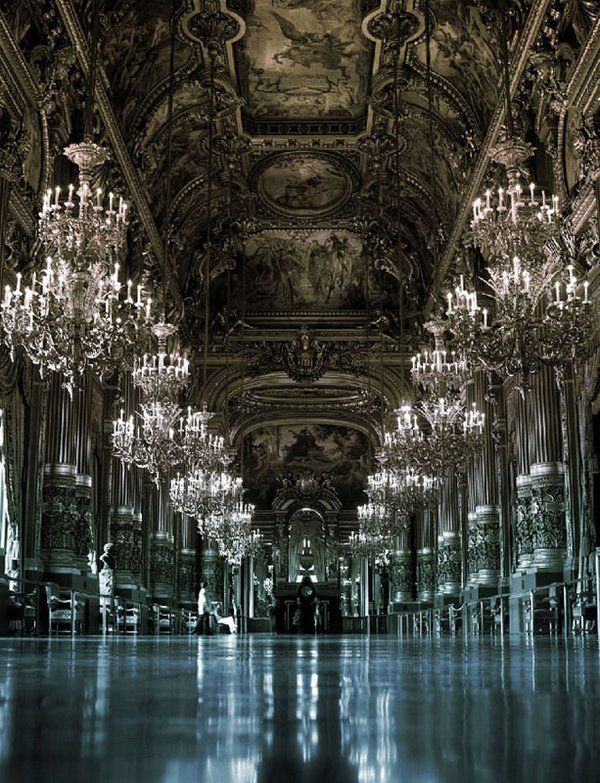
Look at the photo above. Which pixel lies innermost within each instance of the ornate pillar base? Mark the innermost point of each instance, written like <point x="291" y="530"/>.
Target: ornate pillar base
<point x="162" y="566"/>
<point x="425" y="575"/>
<point x="401" y="577"/>
<point x="450" y="563"/>
<point x="59" y="521"/>
<point x="121" y="535"/>
<point x="211" y="573"/>
<point x="186" y="576"/>
<point x="473" y="548"/>
<point x="137" y="550"/>
<point x="523" y="531"/>
<point x="488" y="545"/>
<point x="84" y="533"/>
<point x="548" y="516"/>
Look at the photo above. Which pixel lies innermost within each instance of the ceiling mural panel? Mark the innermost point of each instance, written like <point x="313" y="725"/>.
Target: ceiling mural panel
<point x="304" y="184"/>
<point x="317" y="270"/>
<point x="303" y="59"/>
<point x="461" y="52"/>
<point x="338" y="452"/>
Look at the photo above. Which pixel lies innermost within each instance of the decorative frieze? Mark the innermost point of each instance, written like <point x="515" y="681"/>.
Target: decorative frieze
<point x="449" y="566"/>
<point x="186" y="575"/>
<point x="121" y="534"/>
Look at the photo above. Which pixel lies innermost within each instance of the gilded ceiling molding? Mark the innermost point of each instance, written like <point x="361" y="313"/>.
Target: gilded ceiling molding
<point x="77" y="38"/>
<point x="22" y="90"/>
<point x="531" y="30"/>
<point x="583" y="91"/>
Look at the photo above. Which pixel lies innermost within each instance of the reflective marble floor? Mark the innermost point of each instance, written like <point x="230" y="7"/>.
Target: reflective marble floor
<point x="272" y="710"/>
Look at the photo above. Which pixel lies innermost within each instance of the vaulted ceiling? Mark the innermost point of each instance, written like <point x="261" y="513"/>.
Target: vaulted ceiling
<point x="304" y="139"/>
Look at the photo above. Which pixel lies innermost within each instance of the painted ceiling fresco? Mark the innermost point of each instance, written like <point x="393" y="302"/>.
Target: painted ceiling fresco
<point x="304" y="185"/>
<point x="306" y="270"/>
<point x="304" y="58"/>
<point x="338" y="452"/>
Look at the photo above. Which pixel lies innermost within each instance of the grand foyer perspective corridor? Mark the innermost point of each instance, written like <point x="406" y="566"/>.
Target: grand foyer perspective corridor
<point x="260" y="709"/>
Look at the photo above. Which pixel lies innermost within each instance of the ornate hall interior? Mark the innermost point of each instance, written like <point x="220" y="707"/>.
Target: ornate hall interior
<point x="299" y="391"/>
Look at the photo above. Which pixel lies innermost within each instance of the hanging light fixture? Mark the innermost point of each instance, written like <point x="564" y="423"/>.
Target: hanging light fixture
<point x="538" y="311"/>
<point x="75" y="314"/>
<point x="207" y="490"/>
<point x="152" y="439"/>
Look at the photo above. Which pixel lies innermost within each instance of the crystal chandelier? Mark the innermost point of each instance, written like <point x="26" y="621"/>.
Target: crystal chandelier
<point x="75" y="314"/>
<point x="235" y="537"/>
<point x="201" y="449"/>
<point x="515" y="217"/>
<point x="439" y="371"/>
<point x="450" y="435"/>
<point x="536" y="316"/>
<point x="402" y="492"/>
<point x="151" y="439"/>
<point x="207" y="496"/>
<point x="363" y="544"/>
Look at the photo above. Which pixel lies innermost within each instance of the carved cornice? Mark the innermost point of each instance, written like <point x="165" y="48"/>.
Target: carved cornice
<point x="77" y="38"/>
<point x="531" y="29"/>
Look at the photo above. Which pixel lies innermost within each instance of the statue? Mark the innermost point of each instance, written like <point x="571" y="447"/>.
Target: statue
<point x="107" y="573"/>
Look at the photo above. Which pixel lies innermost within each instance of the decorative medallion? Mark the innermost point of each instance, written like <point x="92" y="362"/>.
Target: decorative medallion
<point x="304" y="358"/>
<point x="304" y="184"/>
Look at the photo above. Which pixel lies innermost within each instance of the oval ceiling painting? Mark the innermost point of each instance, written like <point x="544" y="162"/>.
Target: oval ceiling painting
<point x="304" y="184"/>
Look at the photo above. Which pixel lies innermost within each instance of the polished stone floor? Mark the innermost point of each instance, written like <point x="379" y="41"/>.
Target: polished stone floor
<point x="272" y="710"/>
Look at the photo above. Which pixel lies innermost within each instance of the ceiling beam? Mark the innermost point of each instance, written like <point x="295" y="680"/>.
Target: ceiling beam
<point x="113" y="131"/>
<point x="531" y="29"/>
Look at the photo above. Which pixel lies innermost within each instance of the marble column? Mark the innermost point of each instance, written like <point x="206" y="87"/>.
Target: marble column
<point x="281" y="553"/>
<point x="121" y="532"/>
<point x="85" y="539"/>
<point x="247" y="580"/>
<point x="547" y="476"/>
<point x="487" y="508"/>
<point x="449" y="540"/>
<point x="522" y="530"/>
<point x="425" y="555"/>
<point x="162" y="551"/>
<point x="60" y="516"/>
<point x="186" y="561"/>
<point x="401" y="576"/>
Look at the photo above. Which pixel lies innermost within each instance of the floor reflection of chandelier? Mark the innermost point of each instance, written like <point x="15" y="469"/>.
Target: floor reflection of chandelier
<point x="75" y="314"/>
